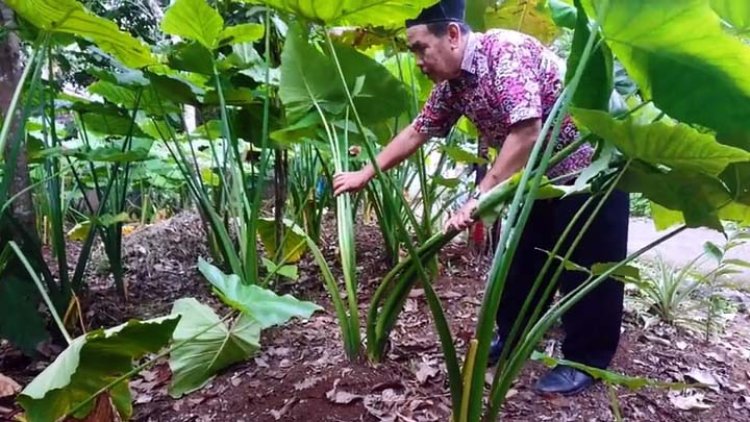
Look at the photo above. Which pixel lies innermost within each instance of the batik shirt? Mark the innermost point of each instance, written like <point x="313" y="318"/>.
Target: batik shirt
<point x="507" y="77"/>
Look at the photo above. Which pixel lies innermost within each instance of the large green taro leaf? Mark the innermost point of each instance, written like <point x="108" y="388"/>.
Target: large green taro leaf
<point x="675" y="146"/>
<point x="309" y="77"/>
<point x="89" y="364"/>
<point x="698" y="196"/>
<point x="598" y="73"/>
<point x="196" y="20"/>
<point x="263" y="305"/>
<point x="217" y="346"/>
<point x="679" y="55"/>
<point x="70" y="17"/>
<point x="382" y="13"/>
<point x="735" y="12"/>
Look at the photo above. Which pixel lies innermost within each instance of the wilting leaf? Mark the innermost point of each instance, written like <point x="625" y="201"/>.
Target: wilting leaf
<point x="195" y="363"/>
<point x="90" y="363"/>
<point x="261" y="304"/>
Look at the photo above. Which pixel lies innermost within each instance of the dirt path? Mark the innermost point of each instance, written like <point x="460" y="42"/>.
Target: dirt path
<point x="684" y="247"/>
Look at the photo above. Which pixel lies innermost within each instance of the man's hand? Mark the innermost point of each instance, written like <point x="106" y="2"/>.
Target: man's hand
<point x="462" y="219"/>
<point x="352" y="181"/>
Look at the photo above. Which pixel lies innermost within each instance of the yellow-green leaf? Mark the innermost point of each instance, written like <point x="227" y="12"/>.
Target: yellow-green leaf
<point x="70" y="17"/>
<point x="248" y="32"/>
<point x="194" y="20"/>
<point x="528" y="16"/>
<point x="373" y="13"/>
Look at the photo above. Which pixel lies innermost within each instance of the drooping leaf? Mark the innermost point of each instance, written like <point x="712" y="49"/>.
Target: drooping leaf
<point x="737" y="178"/>
<point x="20" y="321"/>
<point x="735" y="12"/>
<point x="294" y="245"/>
<point x="528" y="16"/>
<point x="680" y="57"/>
<point x="194" y="20"/>
<point x="665" y="218"/>
<point x="80" y="231"/>
<point x="383" y="13"/>
<point x="194" y="364"/>
<point x="263" y="305"/>
<point x="676" y="146"/>
<point x="697" y="195"/>
<point x="244" y="33"/>
<point x="90" y="363"/>
<point x="191" y="57"/>
<point x="598" y="72"/>
<point x="70" y="17"/>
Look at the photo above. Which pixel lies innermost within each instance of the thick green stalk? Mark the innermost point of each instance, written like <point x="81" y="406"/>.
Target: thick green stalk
<point x="443" y="329"/>
<point x="535" y="334"/>
<point x="497" y="394"/>
<point x="510" y="238"/>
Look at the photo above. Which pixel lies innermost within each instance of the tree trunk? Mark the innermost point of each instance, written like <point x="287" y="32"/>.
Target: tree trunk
<point x="22" y="208"/>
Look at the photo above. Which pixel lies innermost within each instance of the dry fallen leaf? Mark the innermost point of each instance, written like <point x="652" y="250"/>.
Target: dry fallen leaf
<point x="341" y="397"/>
<point x="704" y="377"/>
<point x="8" y="386"/>
<point x="693" y="402"/>
<point x="104" y="411"/>
<point x="307" y="383"/>
<point x="278" y="414"/>
<point x="425" y="371"/>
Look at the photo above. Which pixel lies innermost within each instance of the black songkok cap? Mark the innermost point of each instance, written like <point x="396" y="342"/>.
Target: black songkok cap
<point x="444" y="11"/>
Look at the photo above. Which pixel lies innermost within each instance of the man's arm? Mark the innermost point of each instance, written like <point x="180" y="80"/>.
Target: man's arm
<point x="400" y="148"/>
<point x="514" y="153"/>
<point x="513" y="156"/>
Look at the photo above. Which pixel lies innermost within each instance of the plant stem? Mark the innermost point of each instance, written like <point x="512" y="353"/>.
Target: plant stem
<point x="42" y="291"/>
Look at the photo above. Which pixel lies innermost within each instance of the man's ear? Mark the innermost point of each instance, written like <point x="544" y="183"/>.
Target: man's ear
<point x="454" y="34"/>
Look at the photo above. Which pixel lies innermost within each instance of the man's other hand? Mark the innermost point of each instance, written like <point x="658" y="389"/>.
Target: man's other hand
<point x="462" y="219"/>
<point x="352" y="181"/>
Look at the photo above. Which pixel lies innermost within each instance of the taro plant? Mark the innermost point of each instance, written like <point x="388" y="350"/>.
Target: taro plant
<point x="659" y="160"/>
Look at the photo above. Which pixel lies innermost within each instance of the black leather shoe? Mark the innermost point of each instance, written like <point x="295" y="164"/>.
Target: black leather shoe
<point x="496" y="348"/>
<point x="564" y="380"/>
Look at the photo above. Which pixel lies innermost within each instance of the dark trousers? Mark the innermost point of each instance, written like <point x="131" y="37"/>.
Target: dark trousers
<point x="592" y="326"/>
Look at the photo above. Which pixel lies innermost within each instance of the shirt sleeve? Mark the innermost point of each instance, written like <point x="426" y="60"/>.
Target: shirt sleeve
<point x="516" y="83"/>
<point x="439" y="113"/>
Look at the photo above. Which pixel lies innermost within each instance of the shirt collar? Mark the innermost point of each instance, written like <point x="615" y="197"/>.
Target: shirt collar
<point x="468" y="63"/>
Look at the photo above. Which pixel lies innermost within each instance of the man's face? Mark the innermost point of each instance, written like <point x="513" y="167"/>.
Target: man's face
<point x="435" y="55"/>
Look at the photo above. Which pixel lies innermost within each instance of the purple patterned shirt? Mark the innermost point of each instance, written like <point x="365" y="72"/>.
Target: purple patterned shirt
<point x="507" y="77"/>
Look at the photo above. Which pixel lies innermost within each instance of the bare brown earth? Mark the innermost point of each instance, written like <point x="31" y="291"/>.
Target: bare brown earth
<point x="301" y="373"/>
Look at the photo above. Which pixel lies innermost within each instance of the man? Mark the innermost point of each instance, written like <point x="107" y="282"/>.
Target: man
<point x="506" y="83"/>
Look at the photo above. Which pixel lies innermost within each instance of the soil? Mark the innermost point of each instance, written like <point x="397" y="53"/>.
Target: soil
<point x="302" y="374"/>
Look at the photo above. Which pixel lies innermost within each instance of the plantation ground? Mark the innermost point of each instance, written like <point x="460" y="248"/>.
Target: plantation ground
<point x="301" y="373"/>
